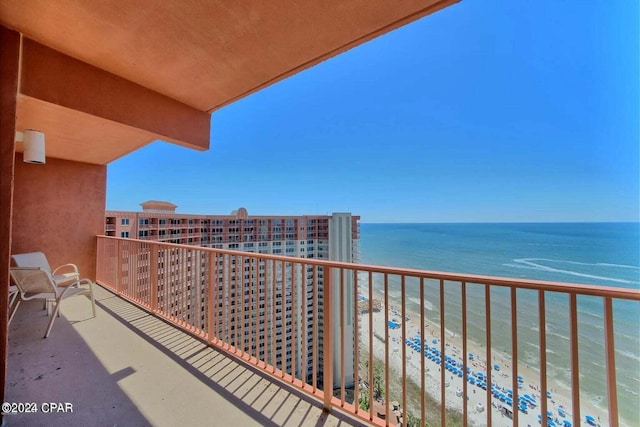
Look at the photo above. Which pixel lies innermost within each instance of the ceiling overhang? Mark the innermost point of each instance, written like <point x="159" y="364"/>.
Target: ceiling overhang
<point x="158" y="71"/>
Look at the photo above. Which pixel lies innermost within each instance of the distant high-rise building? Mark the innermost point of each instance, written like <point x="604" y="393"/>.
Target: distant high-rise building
<point x="332" y="237"/>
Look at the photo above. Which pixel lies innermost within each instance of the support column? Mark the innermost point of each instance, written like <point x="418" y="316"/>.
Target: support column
<point x="9" y="76"/>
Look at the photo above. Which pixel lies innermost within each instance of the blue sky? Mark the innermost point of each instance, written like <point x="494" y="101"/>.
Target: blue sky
<point x="488" y="111"/>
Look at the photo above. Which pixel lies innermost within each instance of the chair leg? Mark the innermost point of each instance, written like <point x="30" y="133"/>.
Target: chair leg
<point x="93" y="300"/>
<point x="14" y="308"/>
<point x="14" y="296"/>
<point x="53" y="318"/>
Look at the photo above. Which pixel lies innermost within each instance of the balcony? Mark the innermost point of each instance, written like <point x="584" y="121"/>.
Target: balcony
<point x="145" y="341"/>
<point x="144" y="105"/>
<point x="501" y="315"/>
<point x="128" y="367"/>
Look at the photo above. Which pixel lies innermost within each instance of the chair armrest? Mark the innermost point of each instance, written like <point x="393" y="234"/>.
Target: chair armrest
<point x="83" y="281"/>
<point x="73" y="267"/>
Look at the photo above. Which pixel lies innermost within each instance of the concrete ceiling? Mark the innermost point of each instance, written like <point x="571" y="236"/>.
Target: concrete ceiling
<point x="205" y="53"/>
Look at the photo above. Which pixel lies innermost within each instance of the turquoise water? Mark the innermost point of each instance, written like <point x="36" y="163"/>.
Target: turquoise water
<point x="604" y="254"/>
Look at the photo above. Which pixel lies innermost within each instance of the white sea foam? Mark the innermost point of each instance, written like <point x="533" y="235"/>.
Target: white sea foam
<point x="632" y="338"/>
<point x="628" y="354"/>
<point x="529" y="263"/>
<point x="427" y="304"/>
<point x="559" y="336"/>
<point x="605" y="264"/>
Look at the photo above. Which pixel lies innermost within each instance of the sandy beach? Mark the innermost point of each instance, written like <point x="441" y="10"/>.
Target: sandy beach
<point x="559" y="403"/>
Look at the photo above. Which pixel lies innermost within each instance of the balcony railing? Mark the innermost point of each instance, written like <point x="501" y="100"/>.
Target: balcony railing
<point x="357" y="338"/>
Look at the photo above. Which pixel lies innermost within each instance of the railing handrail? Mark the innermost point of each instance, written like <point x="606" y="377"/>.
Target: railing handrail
<point x="569" y="288"/>
<point x="216" y="294"/>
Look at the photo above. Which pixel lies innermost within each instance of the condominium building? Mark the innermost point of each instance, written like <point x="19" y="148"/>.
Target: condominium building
<point x="267" y="299"/>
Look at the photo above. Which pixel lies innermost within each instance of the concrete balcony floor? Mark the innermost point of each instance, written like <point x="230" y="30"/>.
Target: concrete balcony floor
<point x="128" y="368"/>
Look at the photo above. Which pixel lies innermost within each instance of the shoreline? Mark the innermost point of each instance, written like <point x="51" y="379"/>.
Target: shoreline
<point x="560" y="396"/>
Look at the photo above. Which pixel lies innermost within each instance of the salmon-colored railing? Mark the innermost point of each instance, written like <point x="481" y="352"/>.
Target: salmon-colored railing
<point x="319" y="325"/>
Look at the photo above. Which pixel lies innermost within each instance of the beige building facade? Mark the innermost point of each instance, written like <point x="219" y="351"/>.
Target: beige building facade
<point x="333" y="237"/>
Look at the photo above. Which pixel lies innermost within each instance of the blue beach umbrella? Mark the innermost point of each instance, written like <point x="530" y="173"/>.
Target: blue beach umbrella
<point x="590" y="420"/>
<point x="548" y="393"/>
<point x="566" y="423"/>
<point x="496" y="367"/>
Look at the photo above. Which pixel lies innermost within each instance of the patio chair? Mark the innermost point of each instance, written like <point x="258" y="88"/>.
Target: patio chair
<point x="38" y="259"/>
<point x="35" y="283"/>
<point x="63" y="275"/>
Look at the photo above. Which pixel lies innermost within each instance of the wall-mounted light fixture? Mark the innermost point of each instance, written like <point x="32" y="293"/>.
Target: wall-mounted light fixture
<point x="33" y="146"/>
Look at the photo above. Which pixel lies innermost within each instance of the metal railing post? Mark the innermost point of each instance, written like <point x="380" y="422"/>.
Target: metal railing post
<point x="153" y="277"/>
<point x="327" y="355"/>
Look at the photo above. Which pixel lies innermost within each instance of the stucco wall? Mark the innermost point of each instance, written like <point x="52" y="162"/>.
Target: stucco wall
<point x="58" y="208"/>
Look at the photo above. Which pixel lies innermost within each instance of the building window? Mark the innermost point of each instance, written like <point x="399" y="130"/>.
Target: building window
<point x="124" y="221"/>
<point x="124" y="234"/>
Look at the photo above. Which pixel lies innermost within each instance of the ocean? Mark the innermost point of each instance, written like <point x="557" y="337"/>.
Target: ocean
<point x="604" y="254"/>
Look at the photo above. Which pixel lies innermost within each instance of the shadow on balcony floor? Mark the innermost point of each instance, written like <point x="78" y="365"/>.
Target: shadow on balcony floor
<point x="126" y="367"/>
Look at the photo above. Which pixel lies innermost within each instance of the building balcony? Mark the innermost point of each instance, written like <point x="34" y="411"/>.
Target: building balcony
<point x="417" y="337"/>
<point x="128" y="367"/>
